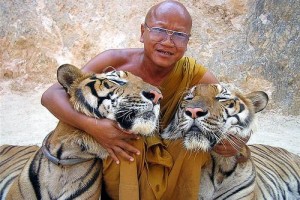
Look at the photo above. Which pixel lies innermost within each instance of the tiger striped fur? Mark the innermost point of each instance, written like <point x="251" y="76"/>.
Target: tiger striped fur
<point x="206" y="115"/>
<point x="68" y="165"/>
<point x="271" y="163"/>
<point x="13" y="159"/>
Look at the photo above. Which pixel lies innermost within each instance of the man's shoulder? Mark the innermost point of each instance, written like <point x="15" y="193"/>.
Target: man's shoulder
<point x="123" y="53"/>
<point x="189" y="61"/>
<point x="123" y="58"/>
<point x="188" y="58"/>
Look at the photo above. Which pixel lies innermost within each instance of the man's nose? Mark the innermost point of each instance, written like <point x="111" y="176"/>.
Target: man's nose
<point x="168" y="39"/>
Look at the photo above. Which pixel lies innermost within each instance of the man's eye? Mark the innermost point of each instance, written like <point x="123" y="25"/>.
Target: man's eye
<point x="158" y="30"/>
<point x="182" y="35"/>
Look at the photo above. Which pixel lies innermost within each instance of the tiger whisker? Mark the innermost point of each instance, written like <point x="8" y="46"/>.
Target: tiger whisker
<point x="124" y="113"/>
<point x="233" y="144"/>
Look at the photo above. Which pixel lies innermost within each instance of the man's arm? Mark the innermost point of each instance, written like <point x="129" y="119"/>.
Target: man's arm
<point x="209" y="78"/>
<point x="105" y="131"/>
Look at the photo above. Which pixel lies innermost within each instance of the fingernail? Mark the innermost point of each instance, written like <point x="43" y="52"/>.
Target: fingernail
<point x="131" y="159"/>
<point x="137" y="138"/>
<point x="118" y="162"/>
<point x="138" y="153"/>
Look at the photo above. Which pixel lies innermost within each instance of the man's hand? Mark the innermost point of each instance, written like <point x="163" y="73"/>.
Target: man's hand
<point x="110" y="136"/>
<point x="231" y="146"/>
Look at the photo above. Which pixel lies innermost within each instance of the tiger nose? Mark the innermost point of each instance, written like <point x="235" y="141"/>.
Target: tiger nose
<point x="153" y="95"/>
<point x="195" y="112"/>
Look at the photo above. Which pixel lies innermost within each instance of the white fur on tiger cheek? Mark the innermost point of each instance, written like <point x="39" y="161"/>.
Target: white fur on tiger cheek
<point x="196" y="144"/>
<point x="91" y="99"/>
<point x="230" y="122"/>
<point x="232" y="127"/>
<point x="243" y="115"/>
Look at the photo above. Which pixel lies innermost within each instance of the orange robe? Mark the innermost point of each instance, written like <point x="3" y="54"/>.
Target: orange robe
<point x="164" y="170"/>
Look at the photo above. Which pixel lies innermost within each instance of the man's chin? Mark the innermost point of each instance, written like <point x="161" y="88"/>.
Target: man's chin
<point x="164" y="60"/>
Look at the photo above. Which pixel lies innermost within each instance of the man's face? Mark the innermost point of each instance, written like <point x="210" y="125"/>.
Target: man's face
<point x="165" y="53"/>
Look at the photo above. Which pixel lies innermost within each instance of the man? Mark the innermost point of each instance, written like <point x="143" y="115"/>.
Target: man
<point x="165" y="35"/>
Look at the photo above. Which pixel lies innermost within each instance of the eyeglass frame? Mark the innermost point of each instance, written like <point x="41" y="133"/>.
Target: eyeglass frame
<point x="168" y="32"/>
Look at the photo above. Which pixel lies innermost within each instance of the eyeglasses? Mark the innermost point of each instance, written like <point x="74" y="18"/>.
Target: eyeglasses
<point x="157" y="34"/>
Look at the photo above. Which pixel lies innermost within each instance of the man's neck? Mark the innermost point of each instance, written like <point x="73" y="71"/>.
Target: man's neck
<point x="154" y="74"/>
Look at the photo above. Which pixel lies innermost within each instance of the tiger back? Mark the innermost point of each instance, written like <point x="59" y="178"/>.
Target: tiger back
<point x="209" y="113"/>
<point x="68" y="165"/>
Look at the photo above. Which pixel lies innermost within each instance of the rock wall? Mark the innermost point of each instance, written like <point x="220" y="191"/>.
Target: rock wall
<point x="252" y="44"/>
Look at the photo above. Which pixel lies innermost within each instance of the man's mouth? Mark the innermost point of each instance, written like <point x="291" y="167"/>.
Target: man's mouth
<point x="165" y="52"/>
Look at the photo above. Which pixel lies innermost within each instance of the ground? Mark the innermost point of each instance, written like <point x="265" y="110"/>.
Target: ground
<point x="25" y="121"/>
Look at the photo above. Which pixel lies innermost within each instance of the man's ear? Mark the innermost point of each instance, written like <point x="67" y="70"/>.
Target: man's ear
<point x="142" y="33"/>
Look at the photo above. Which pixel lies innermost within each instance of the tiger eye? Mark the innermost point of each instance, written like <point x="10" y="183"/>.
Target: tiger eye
<point x="231" y="105"/>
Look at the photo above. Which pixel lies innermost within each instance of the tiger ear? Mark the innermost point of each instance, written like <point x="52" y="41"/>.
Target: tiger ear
<point x="67" y="74"/>
<point x="259" y="100"/>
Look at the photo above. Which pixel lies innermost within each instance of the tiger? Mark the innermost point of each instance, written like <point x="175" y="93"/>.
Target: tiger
<point x="68" y="165"/>
<point x="207" y="114"/>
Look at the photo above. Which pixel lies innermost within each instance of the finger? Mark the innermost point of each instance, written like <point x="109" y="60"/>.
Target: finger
<point x="233" y="142"/>
<point x="127" y="132"/>
<point x="225" y="149"/>
<point x="124" y="130"/>
<point x="222" y="146"/>
<point x="242" y="140"/>
<point x="223" y="142"/>
<point x="238" y="142"/>
<point x="129" y="148"/>
<point x="113" y="156"/>
<point x="122" y="153"/>
<point x="226" y="153"/>
<point x="125" y="136"/>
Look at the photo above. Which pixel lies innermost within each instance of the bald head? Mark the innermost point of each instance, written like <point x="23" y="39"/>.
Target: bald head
<point x="171" y="9"/>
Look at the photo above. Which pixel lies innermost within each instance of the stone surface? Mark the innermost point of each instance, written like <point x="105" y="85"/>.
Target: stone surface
<point x="253" y="44"/>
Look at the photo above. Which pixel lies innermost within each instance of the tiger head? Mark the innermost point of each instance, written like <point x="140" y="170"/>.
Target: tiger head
<point x="116" y="95"/>
<point x="208" y="113"/>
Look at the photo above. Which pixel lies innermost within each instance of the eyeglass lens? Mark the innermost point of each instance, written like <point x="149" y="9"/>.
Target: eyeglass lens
<point x="160" y="34"/>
